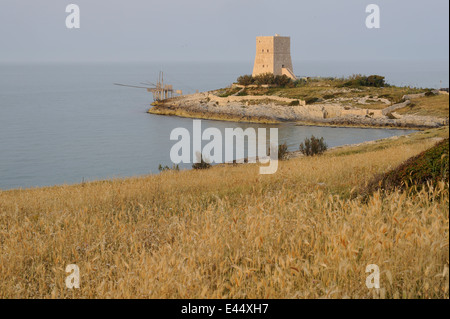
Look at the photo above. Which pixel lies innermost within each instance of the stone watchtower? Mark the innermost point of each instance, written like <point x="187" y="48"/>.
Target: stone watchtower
<point x="273" y="55"/>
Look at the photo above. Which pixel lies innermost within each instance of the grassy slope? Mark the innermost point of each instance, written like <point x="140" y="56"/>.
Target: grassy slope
<point x="330" y="90"/>
<point x="321" y="91"/>
<point x="427" y="168"/>
<point x="393" y="94"/>
<point x="437" y="105"/>
<point x="230" y="232"/>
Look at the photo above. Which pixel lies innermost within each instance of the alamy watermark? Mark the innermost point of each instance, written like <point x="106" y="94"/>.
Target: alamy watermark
<point x="73" y="280"/>
<point x="73" y="19"/>
<point x="373" y="280"/>
<point x="234" y="144"/>
<point x="373" y="19"/>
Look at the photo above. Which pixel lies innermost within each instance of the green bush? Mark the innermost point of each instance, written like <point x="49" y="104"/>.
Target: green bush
<point x="202" y="164"/>
<point x="300" y="82"/>
<point x="362" y="80"/>
<point x="167" y="168"/>
<point x="282" y="152"/>
<point x="313" y="146"/>
<point x="242" y="93"/>
<point x="283" y="80"/>
<point x="311" y="100"/>
<point x="266" y="79"/>
<point x="375" y="80"/>
<point x="431" y="166"/>
<point x="245" y="80"/>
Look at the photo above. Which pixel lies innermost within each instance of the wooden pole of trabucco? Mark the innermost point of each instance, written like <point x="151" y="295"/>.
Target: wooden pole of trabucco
<point x="160" y="91"/>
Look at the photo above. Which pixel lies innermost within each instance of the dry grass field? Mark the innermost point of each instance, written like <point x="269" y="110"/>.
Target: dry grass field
<point x="437" y="105"/>
<point x="228" y="232"/>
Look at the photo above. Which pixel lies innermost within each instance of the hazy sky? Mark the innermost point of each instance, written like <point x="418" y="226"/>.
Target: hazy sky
<point x="213" y="30"/>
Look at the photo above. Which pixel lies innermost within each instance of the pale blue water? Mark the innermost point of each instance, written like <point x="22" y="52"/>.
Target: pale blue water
<point x="68" y="123"/>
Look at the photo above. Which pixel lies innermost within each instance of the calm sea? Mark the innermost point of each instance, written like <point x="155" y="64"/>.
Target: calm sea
<point x="65" y="123"/>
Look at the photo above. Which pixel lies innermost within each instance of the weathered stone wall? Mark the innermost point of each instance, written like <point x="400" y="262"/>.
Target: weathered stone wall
<point x="264" y="59"/>
<point x="271" y="109"/>
<point x="231" y="99"/>
<point x="272" y="55"/>
<point x="282" y="54"/>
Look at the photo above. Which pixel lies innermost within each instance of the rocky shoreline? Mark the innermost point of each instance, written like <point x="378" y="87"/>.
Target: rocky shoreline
<point x="273" y="109"/>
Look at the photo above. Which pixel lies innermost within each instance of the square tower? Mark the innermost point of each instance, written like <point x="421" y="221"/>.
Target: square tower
<point x="273" y="55"/>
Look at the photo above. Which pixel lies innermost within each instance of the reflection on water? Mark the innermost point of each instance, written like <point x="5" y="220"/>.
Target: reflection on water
<point x="63" y="124"/>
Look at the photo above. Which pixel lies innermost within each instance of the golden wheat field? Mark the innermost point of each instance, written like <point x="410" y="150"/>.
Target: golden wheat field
<point x="229" y="232"/>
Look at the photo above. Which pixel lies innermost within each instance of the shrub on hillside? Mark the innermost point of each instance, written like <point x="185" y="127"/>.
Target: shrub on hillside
<point x="167" y="168"/>
<point x="311" y="100"/>
<point x="242" y="93"/>
<point x="300" y="82"/>
<point x="313" y="146"/>
<point x="202" y="164"/>
<point x="245" y="80"/>
<point x="266" y="79"/>
<point x="282" y="152"/>
<point x="329" y="96"/>
<point x="362" y="80"/>
<point x="283" y="80"/>
<point x="431" y="166"/>
<point x="375" y="81"/>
